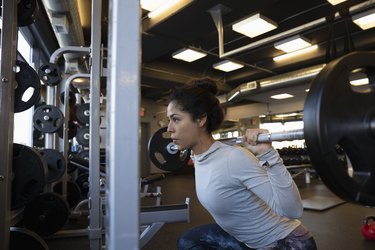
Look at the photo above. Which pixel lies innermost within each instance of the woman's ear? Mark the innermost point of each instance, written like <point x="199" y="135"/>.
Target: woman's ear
<point x="202" y="121"/>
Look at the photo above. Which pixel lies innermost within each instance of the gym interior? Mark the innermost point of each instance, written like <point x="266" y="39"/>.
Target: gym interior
<point x="87" y="161"/>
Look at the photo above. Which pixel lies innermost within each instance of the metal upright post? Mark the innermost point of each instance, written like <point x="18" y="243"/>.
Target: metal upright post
<point x="95" y="223"/>
<point x="122" y="141"/>
<point x="7" y="84"/>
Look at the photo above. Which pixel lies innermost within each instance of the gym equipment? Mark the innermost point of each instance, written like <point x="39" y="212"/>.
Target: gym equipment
<point x="29" y="170"/>
<point x="72" y="98"/>
<point x="46" y="214"/>
<point x="56" y="164"/>
<point x="335" y="116"/>
<point x="27" y="12"/>
<point x="83" y="183"/>
<point x="83" y="113"/>
<point x="73" y="192"/>
<point x="368" y="228"/>
<point x="72" y="130"/>
<point x="22" y="238"/>
<point x="83" y="136"/>
<point x="50" y="74"/>
<point x="27" y="90"/>
<point x="48" y="119"/>
<point x="161" y="153"/>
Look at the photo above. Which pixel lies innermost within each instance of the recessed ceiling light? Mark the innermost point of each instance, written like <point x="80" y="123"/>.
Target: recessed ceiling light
<point x="282" y="96"/>
<point x="151" y="5"/>
<point x="335" y="2"/>
<point x="295" y="53"/>
<point x="360" y="82"/>
<point x="188" y="55"/>
<point x="227" y="66"/>
<point x="292" y="44"/>
<point x="254" y="26"/>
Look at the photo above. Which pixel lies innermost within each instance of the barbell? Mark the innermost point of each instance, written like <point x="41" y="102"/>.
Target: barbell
<point x="336" y="115"/>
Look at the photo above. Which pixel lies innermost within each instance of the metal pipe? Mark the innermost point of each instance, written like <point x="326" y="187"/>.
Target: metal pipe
<point x="290" y="32"/>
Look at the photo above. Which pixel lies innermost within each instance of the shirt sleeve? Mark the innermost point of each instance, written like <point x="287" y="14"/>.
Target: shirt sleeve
<point x="268" y="178"/>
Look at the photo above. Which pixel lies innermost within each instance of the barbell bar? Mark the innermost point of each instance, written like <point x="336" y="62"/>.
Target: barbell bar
<point x="336" y="115"/>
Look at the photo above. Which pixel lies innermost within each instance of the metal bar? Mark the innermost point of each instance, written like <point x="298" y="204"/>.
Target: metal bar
<point x="95" y="222"/>
<point x="52" y="139"/>
<point x="122" y="140"/>
<point x="282" y="136"/>
<point x="8" y="54"/>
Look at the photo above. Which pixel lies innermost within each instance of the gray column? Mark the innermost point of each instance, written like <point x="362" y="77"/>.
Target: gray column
<point x="95" y="223"/>
<point x="122" y="141"/>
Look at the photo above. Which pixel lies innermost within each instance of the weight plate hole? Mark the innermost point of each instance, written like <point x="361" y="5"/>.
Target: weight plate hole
<point x="28" y="94"/>
<point x="360" y="80"/>
<point x="160" y="157"/>
<point x="17" y="69"/>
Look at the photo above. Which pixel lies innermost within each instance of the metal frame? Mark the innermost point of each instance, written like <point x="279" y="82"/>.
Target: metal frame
<point x="7" y="83"/>
<point x="95" y="223"/>
<point x="123" y="123"/>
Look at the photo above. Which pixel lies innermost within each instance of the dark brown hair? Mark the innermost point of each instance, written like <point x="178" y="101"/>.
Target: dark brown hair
<point x="198" y="99"/>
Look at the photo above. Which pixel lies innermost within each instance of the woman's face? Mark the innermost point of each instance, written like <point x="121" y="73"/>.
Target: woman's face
<point x="184" y="131"/>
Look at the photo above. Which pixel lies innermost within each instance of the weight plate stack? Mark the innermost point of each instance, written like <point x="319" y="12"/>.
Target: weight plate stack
<point x="29" y="170"/>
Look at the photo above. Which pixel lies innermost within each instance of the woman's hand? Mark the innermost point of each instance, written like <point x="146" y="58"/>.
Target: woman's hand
<point x="250" y="141"/>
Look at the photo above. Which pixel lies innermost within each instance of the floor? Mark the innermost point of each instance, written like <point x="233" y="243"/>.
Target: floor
<point x="336" y="228"/>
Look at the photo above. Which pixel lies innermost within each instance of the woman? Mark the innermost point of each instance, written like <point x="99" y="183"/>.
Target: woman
<point x="247" y="190"/>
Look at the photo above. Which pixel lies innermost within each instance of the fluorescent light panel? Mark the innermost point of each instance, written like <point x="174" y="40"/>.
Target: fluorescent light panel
<point x="151" y="5"/>
<point x="292" y="44"/>
<point x="167" y="5"/>
<point x="295" y="53"/>
<point x="365" y="20"/>
<point x="233" y="96"/>
<point x="360" y="82"/>
<point x="227" y="66"/>
<point x="335" y="2"/>
<point x="188" y="55"/>
<point x="282" y="96"/>
<point x="254" y="26"/>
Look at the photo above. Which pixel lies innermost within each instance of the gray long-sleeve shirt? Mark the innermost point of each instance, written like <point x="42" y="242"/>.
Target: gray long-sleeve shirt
<point x="253" y="199"/>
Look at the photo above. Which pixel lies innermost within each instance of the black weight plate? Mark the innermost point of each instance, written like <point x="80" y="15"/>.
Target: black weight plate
<point x="50" y="74"/>
<point x="71" y="132"/>
<point x="38" y="139"/>
<point x="159" y="155"/>
<point x="73" y="192"/>
<point x="56" y="164"/>
<point x="84" y="154"/>
<point x="48" y="119"/>
<point x="83" y="113"/>
<point x="29" y="170"/>
<point x="83" y="136"/>
<point x="337" y="116"/>
<point x="27" y="11"/>
<point x="22" y="238"/>
<point x="83" y="183"/>
<point x="46" y="214"/>
<point x="27" y="92"/>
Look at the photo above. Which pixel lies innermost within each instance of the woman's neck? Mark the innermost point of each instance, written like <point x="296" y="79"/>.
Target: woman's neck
<point x="203" y="144"/>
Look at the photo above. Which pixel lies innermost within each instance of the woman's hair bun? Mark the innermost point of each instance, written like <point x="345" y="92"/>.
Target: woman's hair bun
<point x="206" y="83"/>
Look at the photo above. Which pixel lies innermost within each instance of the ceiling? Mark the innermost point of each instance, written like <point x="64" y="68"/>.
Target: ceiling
<point x="193" y="26"/>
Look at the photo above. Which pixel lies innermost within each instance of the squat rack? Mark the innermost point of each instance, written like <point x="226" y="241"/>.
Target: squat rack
<point x="123" y="104"/>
